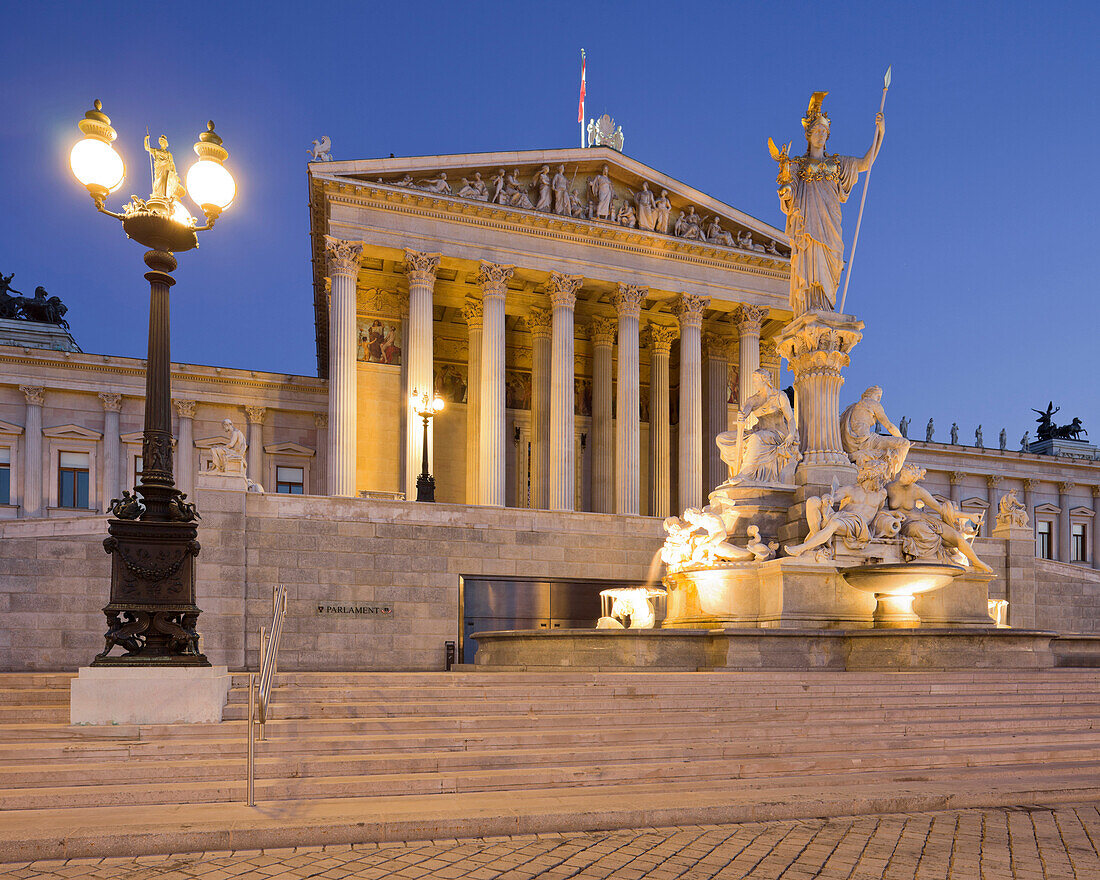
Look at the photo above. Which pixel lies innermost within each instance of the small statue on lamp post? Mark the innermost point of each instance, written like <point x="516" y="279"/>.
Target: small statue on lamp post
<point x="426" y="407"/>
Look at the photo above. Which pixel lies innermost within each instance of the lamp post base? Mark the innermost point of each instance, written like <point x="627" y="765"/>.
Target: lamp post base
<point x="425" y="488"/>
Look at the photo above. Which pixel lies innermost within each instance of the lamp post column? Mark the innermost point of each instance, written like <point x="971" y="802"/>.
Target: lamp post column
<point x="185" y="445"/>
<point x="32" y="450"/>
<point x="660" y="343"/>
<point x="420" y="269"/>
<point x="563" y="478"/>
<point x="493" y="281"/>
<point x="343" y="258"/>
<point x="689" y="310"/>
<point x="628" y="304"/>
<point x="471" y="311"/>
<point x="602" y="331"/>
<point x="540" y="323"/>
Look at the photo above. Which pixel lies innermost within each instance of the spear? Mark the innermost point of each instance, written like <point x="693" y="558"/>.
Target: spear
<point x="863" y="200"/>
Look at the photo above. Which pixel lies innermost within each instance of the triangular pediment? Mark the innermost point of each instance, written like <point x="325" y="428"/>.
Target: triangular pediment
<point x="509" y="183"/>
<point x="9" y="428"/>
<point x="976" y="502"/>
<point x="132" y="437"/>
<point x="1047" y="508"/>
<point x="72" y="432"/>
<point x="1082" y="511"/>
<point x="288" y="449"/>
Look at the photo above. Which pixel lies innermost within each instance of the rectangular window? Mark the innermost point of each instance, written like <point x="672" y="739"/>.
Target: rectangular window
<point x="1045" y="545"/>
<point x="1079" y="551"/>
<point x="5" y="475"/>
<point x="290" y="480"/>
<point x="138" y="465"/>
<point x="72" y="479"/>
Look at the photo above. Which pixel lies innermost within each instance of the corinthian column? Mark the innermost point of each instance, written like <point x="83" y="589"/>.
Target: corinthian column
<point x="563" y="479"/>
<point x="689" y="310"/>
<point x="493" y="281"/>
<point x="256" y="416"/>
<point x="991" y="483"/>
<point x="749" y="319"/>
<point x="420" y="269"/>
<point x="32" y="450"/>
<point x="716" y="377"/>
<point x="539" y="321"/>
<point x="343" y="265"/>
<point x="628" y="304"/>
<point x="112" y="453"/>
<point x="471" y="311"/>
<point x="602" y="332"/>
<point x="1064" y="543"/>
<point x="185" y="446"/>
<point x="660" y="342"/>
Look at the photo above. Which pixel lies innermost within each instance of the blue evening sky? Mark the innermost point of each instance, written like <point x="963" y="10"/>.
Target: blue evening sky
<point x="975" y="272"/>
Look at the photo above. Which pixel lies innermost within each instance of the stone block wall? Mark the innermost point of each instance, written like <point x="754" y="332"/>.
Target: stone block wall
<point x="1067" y="597"/>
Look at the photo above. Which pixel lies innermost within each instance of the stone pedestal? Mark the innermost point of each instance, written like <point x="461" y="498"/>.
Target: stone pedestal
<point x="962" y="603"/>
<point x="148" y="695"/>
<point x="766" y="506"/>
<point x="1019" y="586"/>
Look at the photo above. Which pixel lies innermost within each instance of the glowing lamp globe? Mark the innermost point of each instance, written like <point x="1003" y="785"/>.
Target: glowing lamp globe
<point x="181" y="215"/>
<point x="93" y="160"/>
<point x="437" y="404"/>
<point x="209" y="184"/>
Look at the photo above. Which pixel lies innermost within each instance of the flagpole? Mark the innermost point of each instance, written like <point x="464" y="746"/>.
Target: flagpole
<point x="582" y="100"/>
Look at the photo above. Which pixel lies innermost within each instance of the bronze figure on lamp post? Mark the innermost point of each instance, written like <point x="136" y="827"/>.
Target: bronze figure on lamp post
<point x="152" y="534"/>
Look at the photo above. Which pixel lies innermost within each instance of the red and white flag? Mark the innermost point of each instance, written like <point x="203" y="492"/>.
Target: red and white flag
<point x="580" y="106"/>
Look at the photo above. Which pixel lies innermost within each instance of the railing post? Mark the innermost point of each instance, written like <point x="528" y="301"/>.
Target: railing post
<point x="251" y="743"/>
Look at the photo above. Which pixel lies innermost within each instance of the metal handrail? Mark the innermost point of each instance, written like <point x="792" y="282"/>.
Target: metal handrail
<point x="258" y="702"/>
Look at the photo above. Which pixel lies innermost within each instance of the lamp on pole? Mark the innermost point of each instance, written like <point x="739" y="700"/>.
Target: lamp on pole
<point x="426" y="407"/>
<point x="152" y="534"/>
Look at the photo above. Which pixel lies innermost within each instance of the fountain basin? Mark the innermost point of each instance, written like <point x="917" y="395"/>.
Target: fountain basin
<point x="895" y="585"/>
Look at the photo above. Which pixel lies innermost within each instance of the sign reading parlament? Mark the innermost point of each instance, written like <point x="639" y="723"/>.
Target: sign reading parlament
<point x="352" y="609"/>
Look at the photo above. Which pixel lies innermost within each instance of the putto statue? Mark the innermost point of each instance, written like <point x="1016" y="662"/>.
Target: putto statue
<point x="319" y="152"/>
<point x="764" y="448"/>
<point x="857" y="432"/>
<point x="811" y="190"/>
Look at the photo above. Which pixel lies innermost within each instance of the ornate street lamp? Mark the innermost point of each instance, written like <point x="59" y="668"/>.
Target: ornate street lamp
<point x="152" y="612"/>
<point x="426" y="407"/>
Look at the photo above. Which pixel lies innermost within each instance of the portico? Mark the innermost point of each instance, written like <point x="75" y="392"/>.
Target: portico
<point x="568" y="348"/>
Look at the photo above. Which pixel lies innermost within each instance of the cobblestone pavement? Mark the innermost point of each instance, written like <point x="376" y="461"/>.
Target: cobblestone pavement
<point x="998" y="844"/>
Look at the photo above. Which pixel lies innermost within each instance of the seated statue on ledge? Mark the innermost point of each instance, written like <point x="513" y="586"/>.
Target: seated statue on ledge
<point x="857" y="432"/>
<point x="764" y="448"/>
<point x="1010" y="512"/>
<point x="229" y="458"/>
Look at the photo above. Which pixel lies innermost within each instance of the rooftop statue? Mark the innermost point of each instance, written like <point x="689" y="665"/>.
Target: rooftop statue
<point x="602" y="132"/>
<point x="41" y="308"/>
<point x="811" y="190"/>
<point x="1050" y="431"/>
<point x="319" y="152"/>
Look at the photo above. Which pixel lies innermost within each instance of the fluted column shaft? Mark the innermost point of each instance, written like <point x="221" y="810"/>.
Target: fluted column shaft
<point x="493" y="281"/>
<point x="1094" y="550"/>
<point x="628" y="481"/>
<point x="343" y="262"/>
<point x="603" y="451"/>
<point x="1064" y="542"/>
<point x="185" y="446"/>
<point x="539" y="321"/>
<point x="112" y="451"/>
<point x="420" y="269"/>
<point x="472" y="313"/>
<point x="563" y="476"/>
<point x="660" y="342"/>
<point x="716" y="371"/>
<point x="689" y="310"/>
<point x="749" y="319"/>
<point x="32" y="450"/>
<point x="954" y="493"/>
<point x="256" y="416"/>
<point x="991" y="483"/>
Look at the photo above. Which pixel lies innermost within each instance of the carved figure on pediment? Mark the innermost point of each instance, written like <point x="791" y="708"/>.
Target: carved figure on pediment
<point x="647" y="208"/>
<point x="664" y="211"/>
<point x="812" y="189"/>
<point x="627" y="217"/>
<point x="689" y="225"/>
<point x="930" y="431"/>
<point x="407" y="180"/>
<point x="848" y="512"/>
<point x="576" y="206"/>
<point x="500" y="197"/>
<point x="764" y="448"/>
<point x="745" y="242"/>
<point x="475" y="189"/>
<point x="858" y="436"/>
<point x="229" y="458"/>
<point x="436" y="184"/>
<point x="1010" y="512"/>
<point x="717" y="235"/>
<point x="772" y="249"/>
<point x="931" y="530"/>
<point x="599" y="187"/>
<point x="516" y="192"/>
<point x="541" y="183"/>
<point x="560" y="187"/>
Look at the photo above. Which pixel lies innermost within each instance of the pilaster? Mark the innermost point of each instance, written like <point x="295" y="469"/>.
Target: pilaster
<point x="112" y="451"/>
<point x="256" y="416"/>
<point x="185" y="446"/>
<point x="32" y="450"/>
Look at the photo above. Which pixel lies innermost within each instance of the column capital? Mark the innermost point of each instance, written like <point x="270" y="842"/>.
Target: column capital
<point x="472" y="312"/>
<point x="1066" y="486"/>
<point x="689" y="309"/>
<point x="185" y="409"/>
<point x="629" y="298"/>
<point x="602" y="330"/>
<point x="1095" y="491"/>
<point x="255" y="414"/>
<point x="749" y="318"/>
<point x="539" y="322"/>
<point x="1031" y="484"/>
<point x="320" y="420"/>
<point x="343" y="257"/>
<point x="111" y="402"/>
<point x="769" y="354"/>
<point x="715" y="346"/>
<point x="563" y="289"/>
<point x="956" y="477"/>
<point x="33" y="393"/>
<point x="421" y="267"/>
<point x="493" y="278"/>
<point x="993" y="480"/>
<point x="660" y="337"/>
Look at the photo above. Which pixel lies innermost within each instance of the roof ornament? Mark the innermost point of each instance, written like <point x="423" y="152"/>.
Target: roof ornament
<point x="602" y="132"/>
<point x="319" y="152"/>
